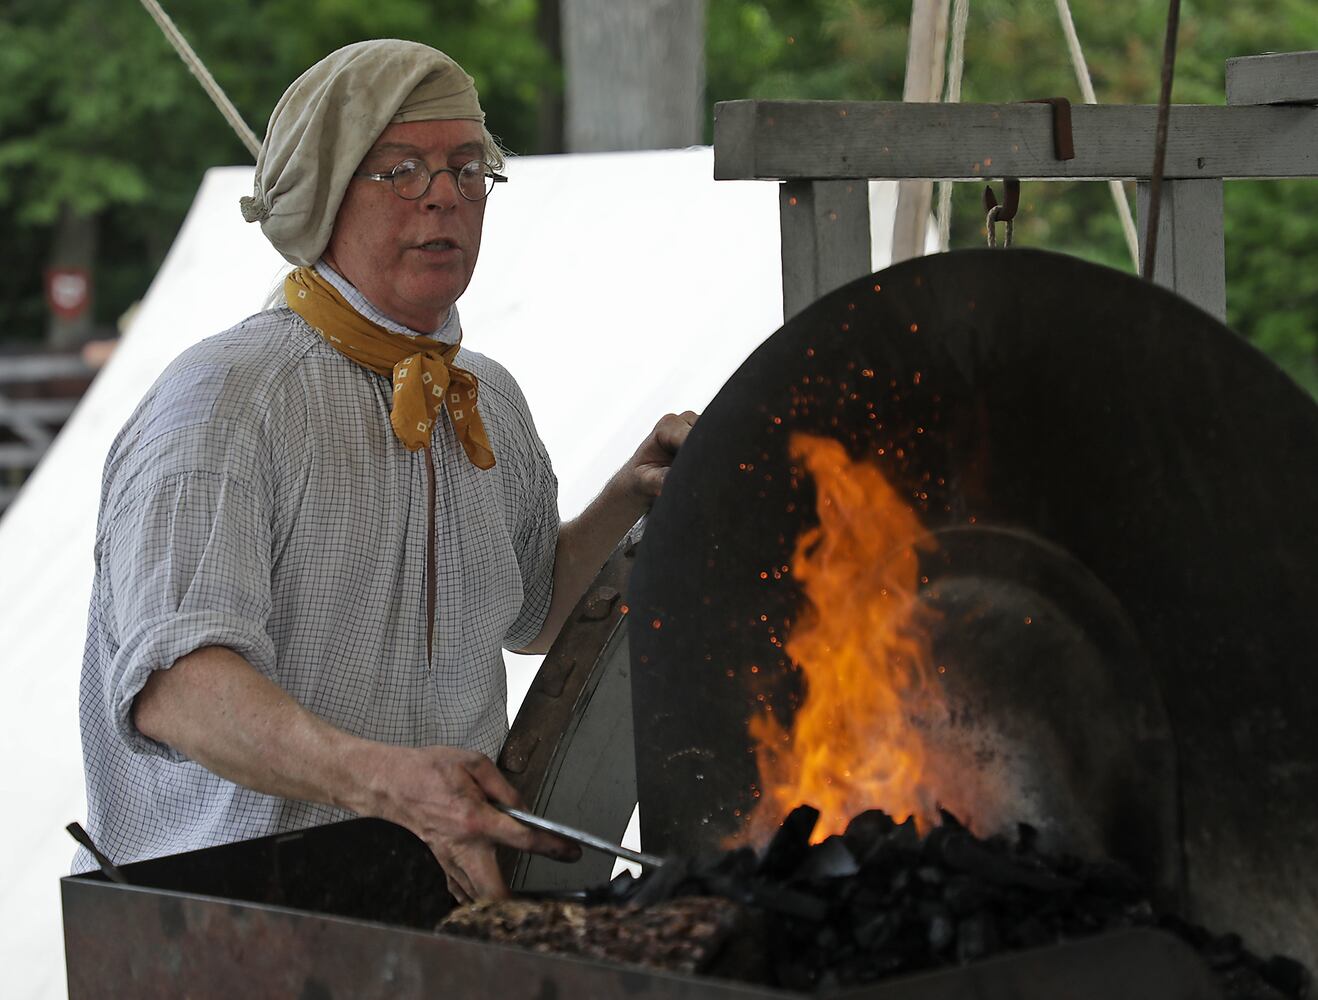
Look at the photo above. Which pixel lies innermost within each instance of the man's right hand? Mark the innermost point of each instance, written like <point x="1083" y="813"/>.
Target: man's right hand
<point x="443" y="795"/>
<point x="215" y="708"/>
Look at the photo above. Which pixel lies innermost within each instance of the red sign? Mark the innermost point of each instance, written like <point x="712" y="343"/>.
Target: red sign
<point x="68" y="291"/>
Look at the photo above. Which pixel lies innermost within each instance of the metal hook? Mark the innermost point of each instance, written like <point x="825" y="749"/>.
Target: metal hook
<point x="1063" y="149"/>
<point x="1006" y="212"/>
<point x="1011" y="195"/>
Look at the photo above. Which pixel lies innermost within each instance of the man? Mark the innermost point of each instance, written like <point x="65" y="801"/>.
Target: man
<point x="320" y="527"/>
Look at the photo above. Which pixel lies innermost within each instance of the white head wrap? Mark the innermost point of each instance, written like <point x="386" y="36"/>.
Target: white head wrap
<point x="328" y="120"/>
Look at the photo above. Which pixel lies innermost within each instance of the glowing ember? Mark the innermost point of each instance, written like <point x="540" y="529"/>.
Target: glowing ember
<point x="856" y="741"/>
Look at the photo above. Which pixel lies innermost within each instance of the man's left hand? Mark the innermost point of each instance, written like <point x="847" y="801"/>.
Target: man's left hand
<point x="645" y="471"/>
<point x="585" y="542"/>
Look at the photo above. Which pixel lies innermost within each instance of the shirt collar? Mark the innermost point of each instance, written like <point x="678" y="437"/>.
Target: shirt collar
<point x="448" y="332"/>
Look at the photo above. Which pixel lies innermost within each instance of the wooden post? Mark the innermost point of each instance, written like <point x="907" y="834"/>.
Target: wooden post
<point x="1191" y="256"/>
<point x="634" y="74"/>
<point x="825" y="229"/>
<point x="1191" y="253"/>
<point x="927" y="43"/>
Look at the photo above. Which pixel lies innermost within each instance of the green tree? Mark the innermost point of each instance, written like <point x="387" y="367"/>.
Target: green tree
<point x="98" y="115"/>
<point x="856" y="50"/>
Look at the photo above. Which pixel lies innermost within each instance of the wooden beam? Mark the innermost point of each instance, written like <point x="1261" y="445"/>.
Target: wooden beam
<point x="825" y="228"/>
<point x="1191" y="257"/>
<point x="831" y="140"/>
<point x="926" y="44"/>
<point x="1278" y="78"/>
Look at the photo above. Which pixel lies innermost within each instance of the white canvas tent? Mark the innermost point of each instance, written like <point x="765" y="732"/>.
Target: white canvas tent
<point x="636" y="272"/>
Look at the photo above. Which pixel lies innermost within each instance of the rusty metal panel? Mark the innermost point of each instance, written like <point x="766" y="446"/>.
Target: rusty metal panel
<point x="130" y="941"/>
<point x="126" y="941"/>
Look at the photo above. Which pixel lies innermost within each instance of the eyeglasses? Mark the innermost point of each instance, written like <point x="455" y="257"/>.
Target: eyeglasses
<point x="411" y="179"/>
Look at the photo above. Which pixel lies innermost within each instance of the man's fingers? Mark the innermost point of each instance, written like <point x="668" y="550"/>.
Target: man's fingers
<point x="459" y="885"/>
<point x="456" y="889"/>
<point x="506" y="830"/>
<point x="481" y="868"/>
<point x="651" y="479"/>
<point x="491" y="782"/>
<point x="672" y="430"/>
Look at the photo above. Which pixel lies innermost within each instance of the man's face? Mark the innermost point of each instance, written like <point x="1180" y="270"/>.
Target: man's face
<point x="411" y="259"/>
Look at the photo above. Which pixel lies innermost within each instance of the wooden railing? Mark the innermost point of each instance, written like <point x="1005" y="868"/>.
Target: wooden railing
<point x="38" y="392"/>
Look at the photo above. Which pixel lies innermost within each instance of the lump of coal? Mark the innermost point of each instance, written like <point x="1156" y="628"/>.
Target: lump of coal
<point x="790" y="844"/>
<point x="830" y="859"/>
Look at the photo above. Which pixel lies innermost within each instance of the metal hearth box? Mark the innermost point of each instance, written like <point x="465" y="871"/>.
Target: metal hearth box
<point x="347" y="910"/>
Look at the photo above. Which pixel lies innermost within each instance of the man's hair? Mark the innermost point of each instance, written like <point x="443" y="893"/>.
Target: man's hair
<point x="495" y="153"/>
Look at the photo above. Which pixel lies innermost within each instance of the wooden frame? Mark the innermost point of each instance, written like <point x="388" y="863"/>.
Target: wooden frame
<point x="812" y="144"/>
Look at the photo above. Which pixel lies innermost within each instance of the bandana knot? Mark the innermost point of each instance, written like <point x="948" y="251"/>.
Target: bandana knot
<point x="422" y="370"/>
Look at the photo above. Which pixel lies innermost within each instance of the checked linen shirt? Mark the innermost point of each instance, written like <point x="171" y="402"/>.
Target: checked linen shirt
<point x="258" y="499"/>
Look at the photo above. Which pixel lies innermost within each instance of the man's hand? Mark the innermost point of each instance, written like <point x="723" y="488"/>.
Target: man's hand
<point x="645" y="471"/>
<point x="584" y="544"/>
<point x="443" y="796"/>
<point x="215" y="708"/>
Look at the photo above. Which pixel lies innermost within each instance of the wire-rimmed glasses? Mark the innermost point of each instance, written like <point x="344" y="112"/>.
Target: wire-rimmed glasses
<point x="411" y="179"/>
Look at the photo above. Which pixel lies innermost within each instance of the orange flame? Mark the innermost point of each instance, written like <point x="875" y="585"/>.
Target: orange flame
<point x="856" y="740"/>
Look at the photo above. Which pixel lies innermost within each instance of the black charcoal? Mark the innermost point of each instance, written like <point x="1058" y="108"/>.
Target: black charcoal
<point x="1287" y="975"/>
<point x="789" y="845"/>
<point x="880" y="900"/>
<point x="827" y="860"/>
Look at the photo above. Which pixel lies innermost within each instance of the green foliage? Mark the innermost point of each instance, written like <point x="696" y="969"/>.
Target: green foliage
<point x="1015" y="50"/>
<point x="1272" y="282"/>
<point x="97" y="113"/>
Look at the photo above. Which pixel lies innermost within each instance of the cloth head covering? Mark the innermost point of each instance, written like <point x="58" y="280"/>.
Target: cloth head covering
<point x="327" y="121"/>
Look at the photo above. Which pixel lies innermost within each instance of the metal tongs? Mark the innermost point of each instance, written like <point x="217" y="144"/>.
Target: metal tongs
<point x="580" y="836"/>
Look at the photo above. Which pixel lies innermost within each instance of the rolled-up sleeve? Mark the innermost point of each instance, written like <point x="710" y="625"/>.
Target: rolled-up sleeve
<point x="187" y="561"/>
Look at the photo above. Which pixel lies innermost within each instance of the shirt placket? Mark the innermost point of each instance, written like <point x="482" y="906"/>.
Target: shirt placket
<point x="430" y="557"/>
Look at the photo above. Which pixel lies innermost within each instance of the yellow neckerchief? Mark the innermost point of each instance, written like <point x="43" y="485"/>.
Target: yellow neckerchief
<point x="422" y="369"/>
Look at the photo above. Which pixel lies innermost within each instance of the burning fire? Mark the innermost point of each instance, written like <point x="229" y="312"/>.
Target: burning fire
<point x="856" y="741"/>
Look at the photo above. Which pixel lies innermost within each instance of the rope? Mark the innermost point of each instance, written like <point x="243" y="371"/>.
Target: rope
<point x="198" y="68"/>
<point x="990" y="224"/>
<point x="1160" y="141"/>
<point x="1087" y="91"/>
<point x="956" y="63"/>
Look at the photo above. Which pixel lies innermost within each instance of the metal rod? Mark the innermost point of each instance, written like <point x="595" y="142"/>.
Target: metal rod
<point x="580" y="836"/>
<point x="111" y="870"/>
<point x="1160" y="140"/>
